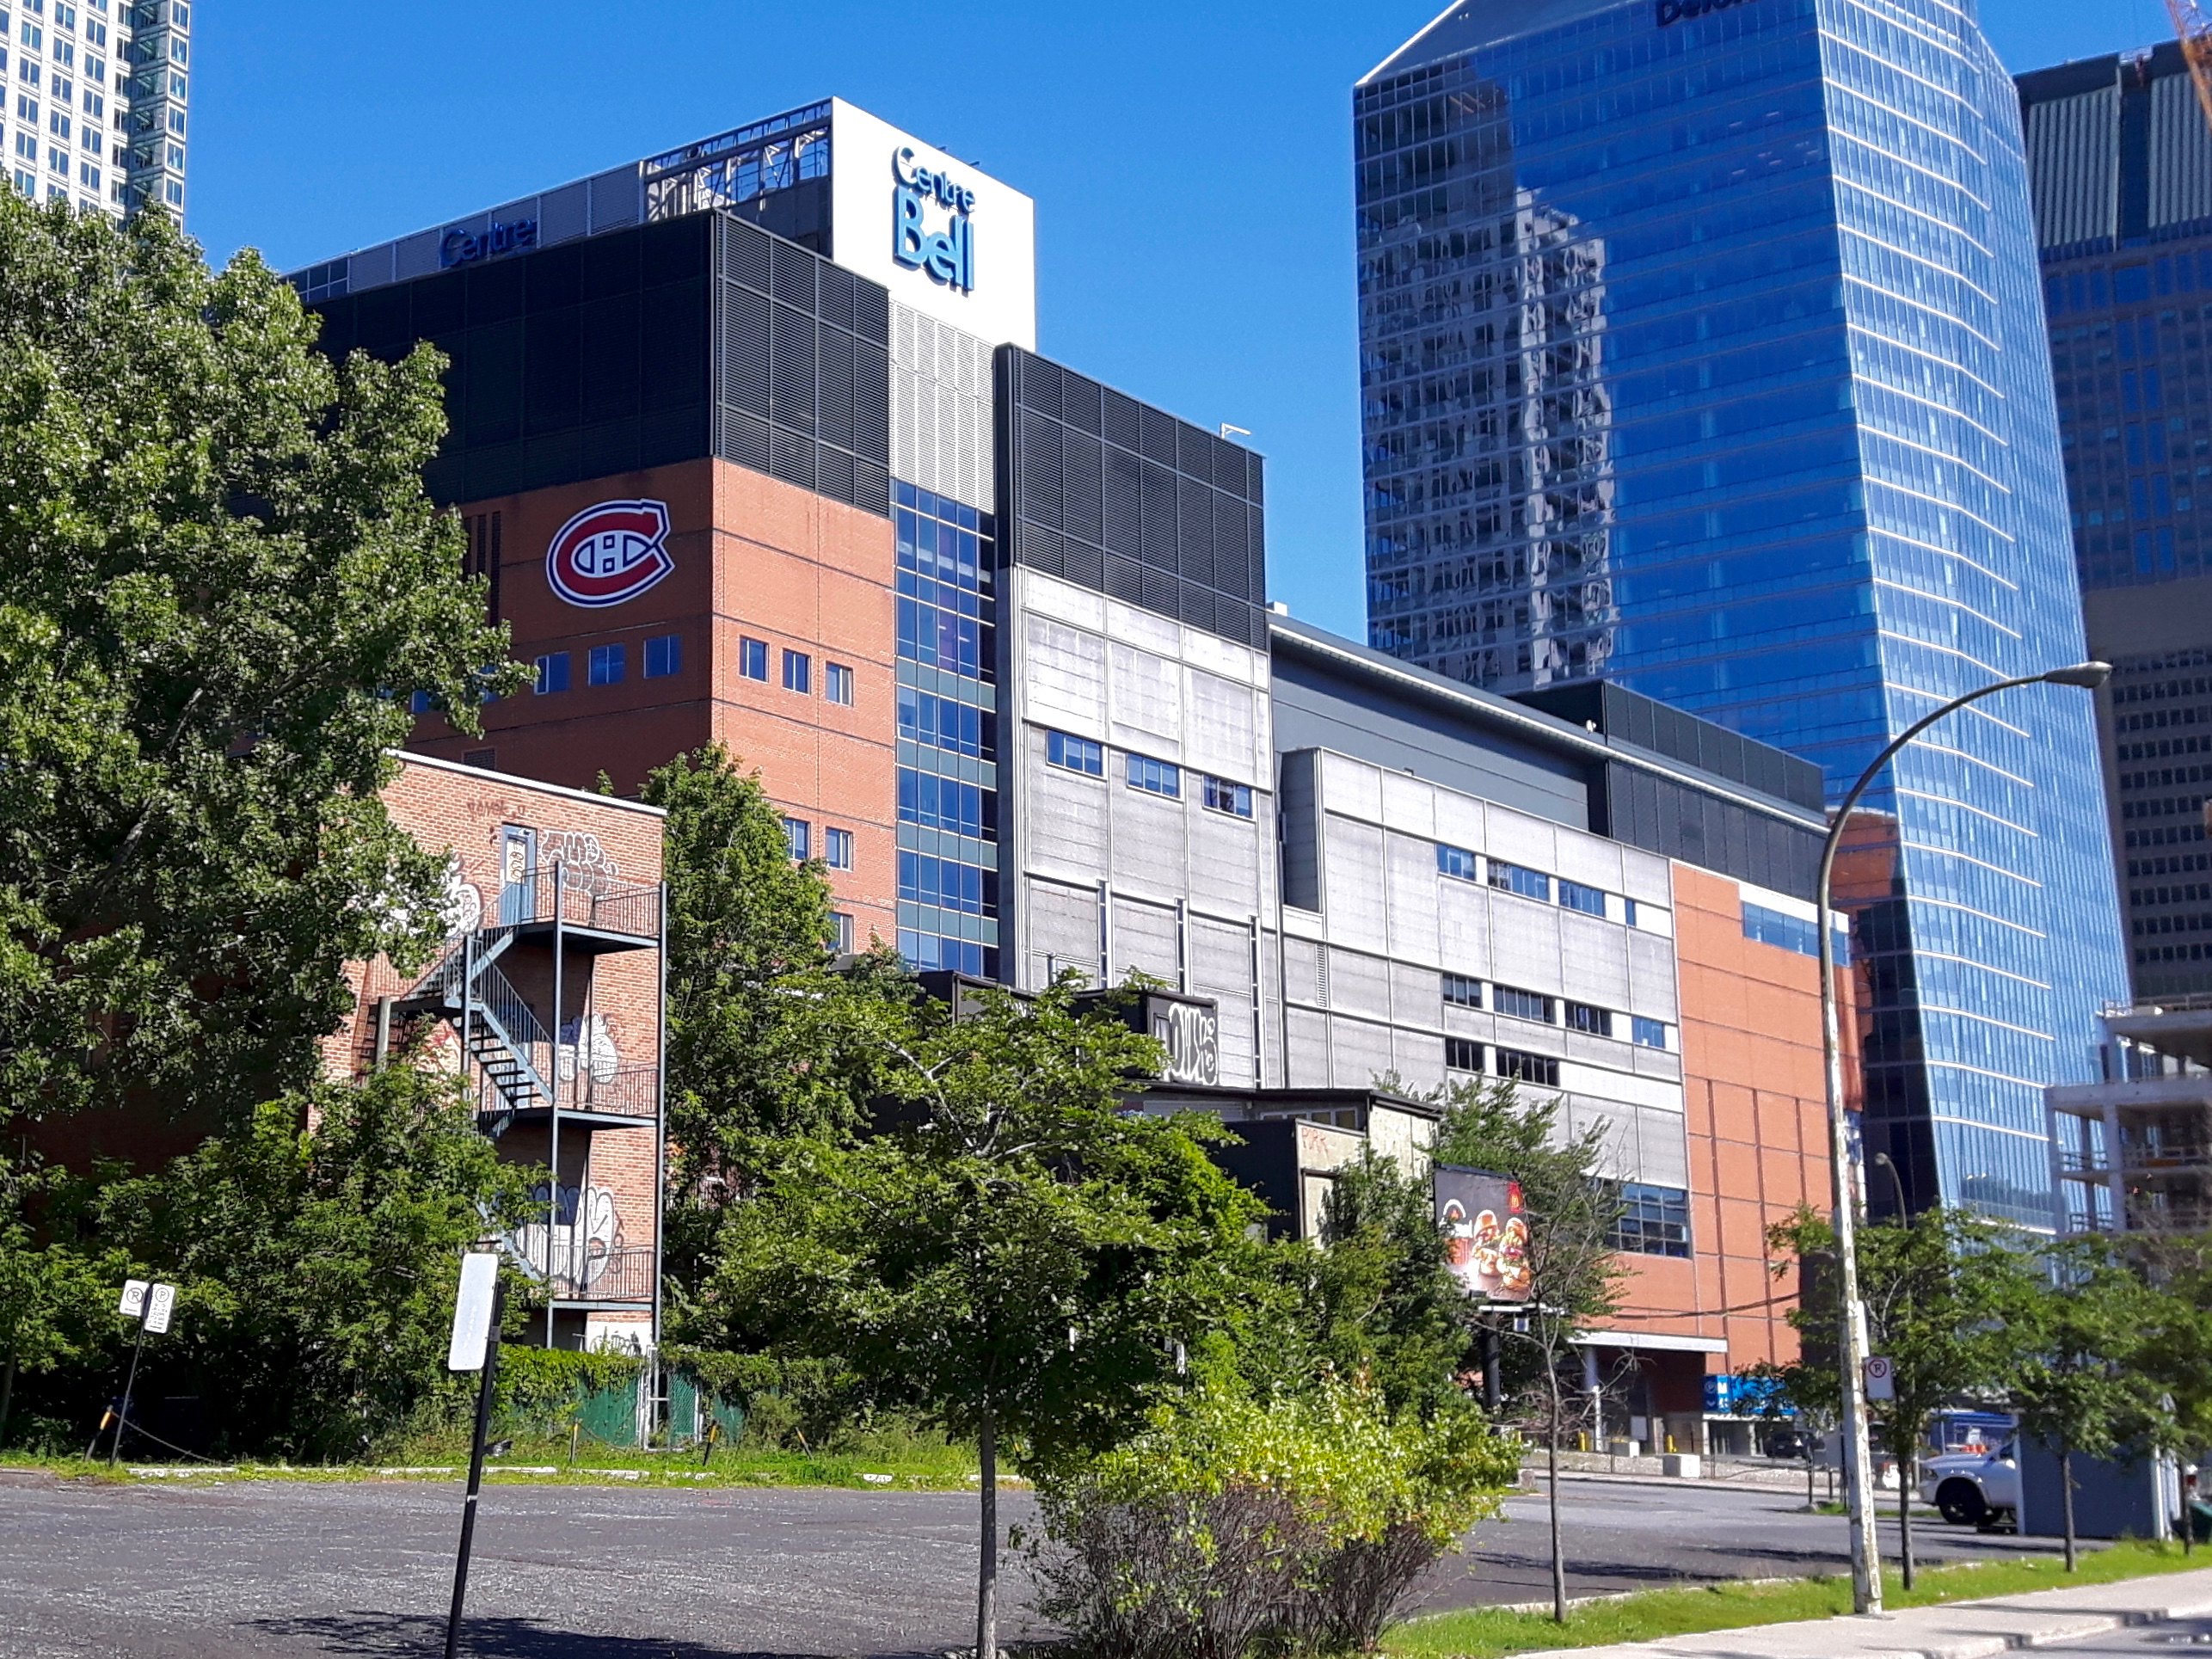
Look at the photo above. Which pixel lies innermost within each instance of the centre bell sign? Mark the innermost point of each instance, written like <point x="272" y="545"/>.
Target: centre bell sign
<point x="944" y="237"/>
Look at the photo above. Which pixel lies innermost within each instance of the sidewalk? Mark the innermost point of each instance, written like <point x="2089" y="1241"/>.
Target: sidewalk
<point x="1963" y="1630"/>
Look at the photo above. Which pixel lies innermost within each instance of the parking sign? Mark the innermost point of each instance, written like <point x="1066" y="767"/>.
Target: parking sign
<point x="1881" y="1378"/>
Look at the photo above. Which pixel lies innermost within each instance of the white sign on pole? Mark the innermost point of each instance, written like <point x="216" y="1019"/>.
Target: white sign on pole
<point x="134" y="1298"/>
<point x="159" y="1301"/>
<point x="1881" y="1378"/>
<point x="472" y="1311"/>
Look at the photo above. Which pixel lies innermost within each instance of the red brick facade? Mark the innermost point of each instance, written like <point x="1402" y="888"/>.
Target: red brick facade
<point x="755" y="559"/>
<point x="606" y="854"/>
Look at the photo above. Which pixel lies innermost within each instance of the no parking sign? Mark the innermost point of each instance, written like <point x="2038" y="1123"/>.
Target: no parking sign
<point x="1881" y="1378"/>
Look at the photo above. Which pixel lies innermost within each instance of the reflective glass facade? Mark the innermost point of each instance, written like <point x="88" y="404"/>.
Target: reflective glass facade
<point x="1707" y="354"/>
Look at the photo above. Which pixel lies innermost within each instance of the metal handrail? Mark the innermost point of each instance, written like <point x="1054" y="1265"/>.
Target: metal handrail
<point x="630" y="908"/>
<point x="621" y="1274"/>
<point x="629" y="1092"/>
<point x="2188" y="1001"/>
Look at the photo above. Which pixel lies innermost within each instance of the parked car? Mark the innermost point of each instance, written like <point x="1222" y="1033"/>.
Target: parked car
<point x="1786" y="1443"/>
<point x="1975" y="1489"/>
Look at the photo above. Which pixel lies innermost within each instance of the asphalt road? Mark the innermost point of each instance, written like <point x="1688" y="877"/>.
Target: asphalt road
<point x="268" y="1569"/>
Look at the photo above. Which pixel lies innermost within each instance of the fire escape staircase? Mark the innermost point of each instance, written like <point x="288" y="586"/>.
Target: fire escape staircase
<point x="496" y="1027"/>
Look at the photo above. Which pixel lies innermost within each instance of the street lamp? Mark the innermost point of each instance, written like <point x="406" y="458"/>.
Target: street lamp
<point x="1859" y="1475"/>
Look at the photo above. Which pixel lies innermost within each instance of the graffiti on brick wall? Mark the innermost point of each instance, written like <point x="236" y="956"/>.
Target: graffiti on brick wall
<point x="588" y="1044"/>
<point x="581" y="1239"/>
<point x="584" y="864"/>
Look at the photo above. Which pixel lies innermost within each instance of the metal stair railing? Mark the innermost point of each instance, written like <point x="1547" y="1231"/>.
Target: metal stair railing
<point x="511" y="1036"/>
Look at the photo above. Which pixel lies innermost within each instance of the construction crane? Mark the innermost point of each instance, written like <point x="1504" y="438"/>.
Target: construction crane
<point x="2194" y="30"/>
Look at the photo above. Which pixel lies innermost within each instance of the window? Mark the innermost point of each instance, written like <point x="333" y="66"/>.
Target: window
<point x="945" y="722"/>
<point x="1653" y="1221"/>
<point x="1525" y="882"/>
<point x="1573" y="895"/>
<point x="837" y="683"/>
<point x="1461" y="992"/>
<point x="174" y="193"/>
<point x="837" y="848"/>
<point x="1647" y="1034"/>
<point x="1156" y="777"/>
<point x="1462" y="1054"/>
<point x="1222" y="796"/>
<point x="1596" y="1022"/>
<point x="1790" y="932"/>
<point x="752" y="658"/>
<point x="608" y="663"/>
<point x="663" y="656"/>
<point x="798" y="672"/>
<point x="552" y="672"/>
<point x="1523" y="1005"/>
<point x="842" y="936"/>
<point x="1078" y="755"/>
<point x="1528" y="1068"/>
<point x="1456" y="862"/>
<point x="422" y="703"/>
<point x="1628" y="911"/>
<point x="800" y="837"/>
<point x="947" y="602"/>
<point x="948" y="884"/>
<point x="946" y="803"/>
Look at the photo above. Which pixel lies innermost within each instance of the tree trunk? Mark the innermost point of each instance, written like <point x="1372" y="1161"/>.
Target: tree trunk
<point x="1907" y="1463"/>
<point x="986" y="1582"/>
<point x="2066" y="1493"/>
<point x="1812" y="1494"/>
<point x="1551" y="1466"/>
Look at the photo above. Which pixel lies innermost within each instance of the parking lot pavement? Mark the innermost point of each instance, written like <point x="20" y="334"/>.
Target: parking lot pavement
<point x="274" y="1568"/>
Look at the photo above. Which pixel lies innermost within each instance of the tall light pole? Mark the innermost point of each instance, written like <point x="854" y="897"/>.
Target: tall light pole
<point x="1858" y="1474"/>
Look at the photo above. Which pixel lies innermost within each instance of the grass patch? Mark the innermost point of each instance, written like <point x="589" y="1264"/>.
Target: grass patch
<point x="1649" y="1615"/>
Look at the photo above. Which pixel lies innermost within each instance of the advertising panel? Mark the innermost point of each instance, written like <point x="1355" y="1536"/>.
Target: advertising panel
<point x="1485" y="1232"/>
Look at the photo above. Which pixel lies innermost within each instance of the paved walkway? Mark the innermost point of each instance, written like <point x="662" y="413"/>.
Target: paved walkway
<point x="1963" y="1630"/>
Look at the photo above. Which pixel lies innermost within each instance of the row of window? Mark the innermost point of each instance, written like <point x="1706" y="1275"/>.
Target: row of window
<point x="2171" y="806"/>
<point x="798" y="671"/>
<point x="2193" y="893"/>
<point x="836" y="844"/>
<point x="1161" y="778"/>
<point x="1465" y="1054"/>
<point x="608" y="665"/>
<point x="1653" y="1221"/>
<point x="2166" y="776"/>
<point x="946" y="803"/>
<point x="2144" y="926"/>
<point x="1462" y="991"/>
<point x="1765" y="926"/>
<point x="2166" y="835"/>
<point x="947" y="724"/>
<point x="2180" y="864"/>
<point x="1465" y="866"/>
<point x="948" y="884"/>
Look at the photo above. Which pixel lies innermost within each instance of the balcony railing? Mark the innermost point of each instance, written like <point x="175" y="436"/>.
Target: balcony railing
<point x="627" y="1092"/>
<point x="2075" y="1159"/>
<point x="634" y="909"/>
<point x="621" y="1275"/>
<point x="2185" y="1002"/>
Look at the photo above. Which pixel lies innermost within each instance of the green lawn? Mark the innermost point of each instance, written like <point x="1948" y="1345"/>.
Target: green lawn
<point x="1653" y="1614"/>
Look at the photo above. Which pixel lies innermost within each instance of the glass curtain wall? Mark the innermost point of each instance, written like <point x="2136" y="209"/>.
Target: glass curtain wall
<point x="1706" y="354"/>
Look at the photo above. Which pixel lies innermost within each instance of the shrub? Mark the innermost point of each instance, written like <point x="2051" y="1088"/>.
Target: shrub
<point x="1230" y="1523"/>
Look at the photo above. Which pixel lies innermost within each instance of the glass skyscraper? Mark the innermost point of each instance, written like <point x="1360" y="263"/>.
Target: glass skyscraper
<point x="1703" y="350"/>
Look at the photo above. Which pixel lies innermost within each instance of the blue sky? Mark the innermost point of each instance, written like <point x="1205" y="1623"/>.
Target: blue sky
<point x="1190" y="164"/>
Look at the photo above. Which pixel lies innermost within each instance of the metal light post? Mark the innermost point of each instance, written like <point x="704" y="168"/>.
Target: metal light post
<point x="1858" y="1474"/>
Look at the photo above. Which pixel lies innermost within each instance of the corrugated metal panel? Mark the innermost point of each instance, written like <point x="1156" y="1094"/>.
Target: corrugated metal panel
<point x="1305" y="1042"/>
<point x="1060" y="925"/>
<point x="1359" y="1053"/>
<point x="1352" y="872"/>
<point x="1064" y="675"/>
<point x="1223" y="729"/>
<point x="1225" y="863"/>
<point x="1525" y="944"/>
<point x="1301" y="970"/>
<point x="1144" y="939"/>
<point x="1351" y="786"/>
<point x="1415" y="999"/>
<point x="1147" y="699"/>
<point x="1412" y="871"/>
<point x="1418" y="1060"/>
<point x="1408" y="804"/>
<point x="2181" y="153"/>
<point x="1463" y="928"/>
<point x="1594" y="955"/>
<point x="1221" y="957"/>
<point x="1358" y="983"/>
<point x="1650" y="976"/>
<point x="2073" y="151"/>
<point x="1066" y="818"/>
<point x="1148" y="851"/>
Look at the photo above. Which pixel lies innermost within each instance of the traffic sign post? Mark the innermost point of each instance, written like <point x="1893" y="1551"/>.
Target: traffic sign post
<point x="1881" y="1378"/>
<point x="475" y="1347"/>
<point x="150" y="1305"/>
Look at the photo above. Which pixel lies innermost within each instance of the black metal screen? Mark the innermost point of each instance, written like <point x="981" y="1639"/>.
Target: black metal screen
<point x="1123" y="499"/>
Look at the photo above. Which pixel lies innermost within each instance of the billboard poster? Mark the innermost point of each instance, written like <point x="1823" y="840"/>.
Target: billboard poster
<point x="1485" y="1232"/>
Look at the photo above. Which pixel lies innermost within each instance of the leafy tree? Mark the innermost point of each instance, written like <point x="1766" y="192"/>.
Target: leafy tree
<point x="1943" y="1291"/>
<point x="2074" y="1386"/>
<point x="2174" y="1350"/>
<point x="220" y="581"/>
<point x="1380" y="1301"/>
<point x="313" y="1250"/>
<point x="1023" y="1255"/>
<point x="1574" y="1214"/>
<point x="766" y="1039"/>
<point x="51" y="1292"/>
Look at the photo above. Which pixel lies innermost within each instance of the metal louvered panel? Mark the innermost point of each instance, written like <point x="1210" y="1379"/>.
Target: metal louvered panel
<point x="833" y="473"/>
<point x="871" y="412"/>
<point x="745" y="350"/>
<point x="791" y="369"/>
<point x="2181" y="154"/>
<point x="871" y="311"/>
<point x="1230" y="572"/>
<point x="1036" y="485"/>
<point x="791" y="274"/>
<point x="1080" y="456"/>
<point x="744" y="440"/>
<point x="2074" y="152"/>
<point x="834" y="389"/>
<point x="1194" y="452"/>
<point x="1123" y="503"/>
<point x="1156" y="589"/>
<point x="1123" y="425"/>
<point x="1158" y="533"/>
<point x="1040" y="549"/>
<point x="1158" y="429"/>
<point x="745" y="253"/>
<point x="1125" y="579"/>
<point x="1195" y="516"/>
<point x="1041" y="379"/>
<point x="791" y="458"/>
<point x="1080" y="402"/>
<point x="836" y="284"/>
<point x="1197" y="605"/>
<point x="1087" y="565"/>
<point x="871" y="487"/>
<point x="1253" y="468"/>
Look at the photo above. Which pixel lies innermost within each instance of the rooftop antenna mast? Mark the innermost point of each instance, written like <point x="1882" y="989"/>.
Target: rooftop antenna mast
<point x="2194" y="30"/>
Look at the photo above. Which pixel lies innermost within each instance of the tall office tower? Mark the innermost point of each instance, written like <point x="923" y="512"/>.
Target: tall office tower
<point x="95" y="100"/>
<point x="2120" y="159"/>
<point x="1701" y="351"/>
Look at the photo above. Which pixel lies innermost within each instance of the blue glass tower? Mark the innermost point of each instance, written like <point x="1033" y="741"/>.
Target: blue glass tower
<point x="1703" y="350"/>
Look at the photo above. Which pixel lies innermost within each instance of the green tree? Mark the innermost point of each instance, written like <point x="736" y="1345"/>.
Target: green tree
<point x="2075" y="1387"/>
<point x="1574" y="1216"/>
<point x="52" y="1291"/>
<point x="2174" y="1352"/>
<point x="220" y="581"/>
<point x="766" y="1037"/>
<point x="316" y="1265"/>
<point x="1944" y="1291"/>
<point x="1024" y="1257"/>
<point x="1380" y="1301"/>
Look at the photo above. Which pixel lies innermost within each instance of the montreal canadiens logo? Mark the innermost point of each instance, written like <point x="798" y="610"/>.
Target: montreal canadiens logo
<point x="610" y="552"/>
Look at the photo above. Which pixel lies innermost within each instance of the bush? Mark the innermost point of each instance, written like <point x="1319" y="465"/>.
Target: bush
<point x="1232" y="1524"/>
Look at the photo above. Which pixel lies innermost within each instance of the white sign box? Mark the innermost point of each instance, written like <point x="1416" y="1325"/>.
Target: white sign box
<point x="472" y="1311"/>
